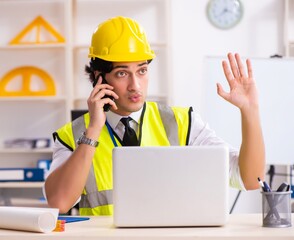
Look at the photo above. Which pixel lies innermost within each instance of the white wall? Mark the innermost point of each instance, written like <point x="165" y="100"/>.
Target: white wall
<point x="259" y="34"/>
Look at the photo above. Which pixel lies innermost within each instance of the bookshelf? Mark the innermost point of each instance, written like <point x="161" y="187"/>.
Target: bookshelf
<point x="39" y="116"/>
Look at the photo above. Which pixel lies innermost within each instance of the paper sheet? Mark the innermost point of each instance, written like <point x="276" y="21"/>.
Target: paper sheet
<point x="29" y="219"/>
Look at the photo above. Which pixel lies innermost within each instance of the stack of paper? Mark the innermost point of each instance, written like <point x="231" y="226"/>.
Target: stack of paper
<point x="29" y="219"/>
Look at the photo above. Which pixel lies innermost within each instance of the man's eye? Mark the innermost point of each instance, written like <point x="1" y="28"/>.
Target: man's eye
<point x="121" y="74"/>
<point x="143" y="71"/>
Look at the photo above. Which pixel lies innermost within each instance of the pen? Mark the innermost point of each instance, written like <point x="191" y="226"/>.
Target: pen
<point x="266" y="187"/>
<point x="260" y="183"/>
<point x="283" y="187"/>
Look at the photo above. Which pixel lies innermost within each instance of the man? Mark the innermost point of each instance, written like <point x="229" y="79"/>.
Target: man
<point x="120" y="56"/>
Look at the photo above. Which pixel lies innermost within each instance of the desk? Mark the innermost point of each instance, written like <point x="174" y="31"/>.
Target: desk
<point x="239" y="226"/>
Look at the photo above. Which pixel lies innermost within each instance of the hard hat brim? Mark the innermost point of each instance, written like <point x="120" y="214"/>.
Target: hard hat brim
<point x="125" y="58"/>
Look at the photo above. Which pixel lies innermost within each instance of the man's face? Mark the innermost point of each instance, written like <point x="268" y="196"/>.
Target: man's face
<point x="130" y="83"/>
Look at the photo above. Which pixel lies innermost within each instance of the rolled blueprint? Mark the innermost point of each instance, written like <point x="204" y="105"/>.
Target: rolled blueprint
<point x="29" y="219"/>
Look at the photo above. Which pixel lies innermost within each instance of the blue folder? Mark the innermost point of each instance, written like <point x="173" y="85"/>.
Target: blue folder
<point x="21" y="174"/>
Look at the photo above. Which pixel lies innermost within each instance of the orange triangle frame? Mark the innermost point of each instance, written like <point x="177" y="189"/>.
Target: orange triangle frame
<point x="38" y="22"/>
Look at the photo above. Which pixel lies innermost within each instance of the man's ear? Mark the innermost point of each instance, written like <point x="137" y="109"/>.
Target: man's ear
<point x="96" y="73"/>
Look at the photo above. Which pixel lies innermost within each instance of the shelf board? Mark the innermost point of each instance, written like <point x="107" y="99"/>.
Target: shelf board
<point x="156" y="98"/>
<point x="25" y="150"/>
<point x="78" y="99"/>
<point x="291" y="43"/>
<point x="149" y="98"/>
<point x="32" y="46"/>
<point x="37" y="99"/>
<point x="21" y="184"/>
<point x="152" y="44"/>
<point x="28" y="202"/>
<point x="29" y="1"/>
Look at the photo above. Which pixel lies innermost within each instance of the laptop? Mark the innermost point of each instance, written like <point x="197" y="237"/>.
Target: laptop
<point x="170" y="186"/>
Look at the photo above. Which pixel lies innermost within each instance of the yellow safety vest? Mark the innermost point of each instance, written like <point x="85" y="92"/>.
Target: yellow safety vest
<point x="159" y="126"/>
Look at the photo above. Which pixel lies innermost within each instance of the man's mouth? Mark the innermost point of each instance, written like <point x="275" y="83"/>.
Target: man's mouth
<point x="135" y="97"/>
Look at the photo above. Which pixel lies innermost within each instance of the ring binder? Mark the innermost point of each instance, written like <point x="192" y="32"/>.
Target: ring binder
<point x="21" y="174"/>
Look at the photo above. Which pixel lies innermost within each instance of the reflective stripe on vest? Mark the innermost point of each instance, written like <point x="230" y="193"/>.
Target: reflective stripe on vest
<point x="170" y="124"/>
<point x="94" y="197"/>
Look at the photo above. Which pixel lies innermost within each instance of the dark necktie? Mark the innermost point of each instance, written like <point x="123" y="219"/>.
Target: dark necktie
<point x="129" y="138"/>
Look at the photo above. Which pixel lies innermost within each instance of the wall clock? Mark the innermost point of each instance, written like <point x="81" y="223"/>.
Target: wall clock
<point x="224" y="14"/>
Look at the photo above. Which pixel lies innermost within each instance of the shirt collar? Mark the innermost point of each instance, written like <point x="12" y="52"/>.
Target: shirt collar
<point x="113" y="119"/>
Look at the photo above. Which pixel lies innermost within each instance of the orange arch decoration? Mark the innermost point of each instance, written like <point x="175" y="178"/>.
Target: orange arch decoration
<point x="26" y="73"/>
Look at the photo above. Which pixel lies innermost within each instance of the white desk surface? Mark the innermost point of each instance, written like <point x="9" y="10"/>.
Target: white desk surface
<point x="239" y="226"/>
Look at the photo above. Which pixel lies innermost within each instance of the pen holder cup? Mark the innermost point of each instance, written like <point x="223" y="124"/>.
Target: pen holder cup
<point x="276" y="209"/>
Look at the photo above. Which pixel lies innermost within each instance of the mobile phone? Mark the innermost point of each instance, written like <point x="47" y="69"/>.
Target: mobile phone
<point x="106" y="107"/>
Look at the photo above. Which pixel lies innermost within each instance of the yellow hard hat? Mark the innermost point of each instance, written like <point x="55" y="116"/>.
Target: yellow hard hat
<point x="120" y="39"/>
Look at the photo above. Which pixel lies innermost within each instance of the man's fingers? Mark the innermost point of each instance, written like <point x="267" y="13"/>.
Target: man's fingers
<point x="221" y="92"/>
<point x="249" y="68"/>
<point x="228" y="74"/>
<point x="233" y="65"/>
<point x="240" y="65"/>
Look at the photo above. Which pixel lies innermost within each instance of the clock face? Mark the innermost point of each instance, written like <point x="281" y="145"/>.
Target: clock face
<point x="224" y="14"/>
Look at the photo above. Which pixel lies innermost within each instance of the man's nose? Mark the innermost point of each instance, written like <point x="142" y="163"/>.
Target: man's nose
<point x="134" y="82"/>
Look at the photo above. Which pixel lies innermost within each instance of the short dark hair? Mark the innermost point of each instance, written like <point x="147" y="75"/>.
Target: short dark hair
<point x="97" y="64"/>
